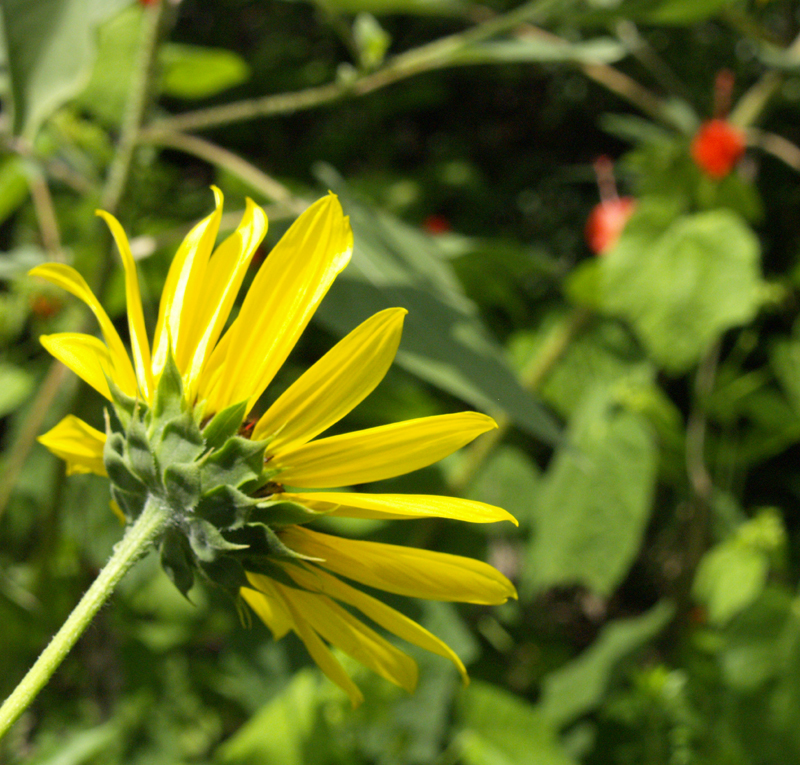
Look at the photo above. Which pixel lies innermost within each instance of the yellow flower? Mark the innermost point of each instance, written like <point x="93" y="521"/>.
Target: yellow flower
<point x="298" y="588"/>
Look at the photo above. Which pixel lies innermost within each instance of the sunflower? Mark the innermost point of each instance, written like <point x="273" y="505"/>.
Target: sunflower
<point x="241" y="491"/>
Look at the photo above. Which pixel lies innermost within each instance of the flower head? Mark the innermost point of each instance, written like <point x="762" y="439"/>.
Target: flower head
<point x="717" y="147"/>
<point x="237" y="489"/>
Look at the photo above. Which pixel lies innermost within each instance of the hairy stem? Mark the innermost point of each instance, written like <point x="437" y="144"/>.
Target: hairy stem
<point x="134" y="544"/>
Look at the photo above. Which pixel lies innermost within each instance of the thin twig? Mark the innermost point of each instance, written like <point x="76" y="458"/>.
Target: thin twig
<point x="22" y="445"/>
<point x="435" y="55"/>
<point x="776" y="145"/>
<point x="233" y="163"/>
<point x="45" y="210"/>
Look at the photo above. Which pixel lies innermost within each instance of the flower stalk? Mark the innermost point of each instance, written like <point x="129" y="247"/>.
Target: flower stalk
<point x="134" y="545"/>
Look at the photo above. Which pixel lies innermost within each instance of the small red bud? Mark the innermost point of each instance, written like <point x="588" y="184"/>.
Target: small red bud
<point x="44" y="306"/>
<point x="717" y="147"/>
<point x="606" y="221"/>
<point x="436" y="224"/>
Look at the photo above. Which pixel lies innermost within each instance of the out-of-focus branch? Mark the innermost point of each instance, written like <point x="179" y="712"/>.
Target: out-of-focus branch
<point x="24" y="441"/>
<point x="45" y="210"/>
<point x="775" y="144"/>
<point x="227" y="160"/>
<point x="435" y="55"/>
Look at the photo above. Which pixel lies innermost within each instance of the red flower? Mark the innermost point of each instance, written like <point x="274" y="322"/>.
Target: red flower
<point x="606" y="221"/>
<point x="717" y="147"/>
<point x="436" y="224"/>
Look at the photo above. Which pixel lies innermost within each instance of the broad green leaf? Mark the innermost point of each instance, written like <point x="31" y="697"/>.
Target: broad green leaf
<point x="410" y="7"/>
<point x="50" y="47"/>
<point x="580" y="686"/>
<point x="595" y="499"/>
<point x="15" y="385"/>
<point x="604" y="50"/>
<point x="680" y="12"/>
<point x="511" y="480"/>
<point x="499" y="728"/>
<point x="444" y="342"/>
<point x="192" y="71"/>
<point x="281" y="731"/>
<point x="13" y="186"/>
<point x="684" y="284"/>
<point x="733" y="574"/>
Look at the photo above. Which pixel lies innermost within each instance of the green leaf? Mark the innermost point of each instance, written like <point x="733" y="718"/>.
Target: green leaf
<point x="13" y="186"/>
<point x="580" y="686"/>
<point x="294" y="712"/>
<point x="224" y="424"/>
<point x="15" y="385"/>
<point x="238" y="462"/>
<point x="50" y="47"/>
<point x="511" y="480"/>
<point x="595" y="499"/>
<point x="499" y="728"/>
<point x="124" y="405"/>
<point x="192" y="71"/>
<point x="682" y="286"/>
<point x="733" y="573"/>
<point x="119" y="41"/>
<point x="277" y="514"/>
<point x="444" y="342"/>
<point x="176" y="560"/>
<point x="260" y="540"/>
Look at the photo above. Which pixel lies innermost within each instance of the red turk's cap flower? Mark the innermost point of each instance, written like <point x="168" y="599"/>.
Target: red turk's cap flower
<point x="436" y="224"/>
<point x="717" y="147"/>
<point x="606" y="221"/>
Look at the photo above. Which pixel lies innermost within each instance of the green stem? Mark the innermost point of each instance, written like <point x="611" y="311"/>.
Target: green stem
<point x="134" y="544"/>
<point x="138" y="99"/>
<point x="434" y="55"/>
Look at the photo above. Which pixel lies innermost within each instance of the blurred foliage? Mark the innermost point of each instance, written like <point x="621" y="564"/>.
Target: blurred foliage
<point x="649" y="397"/>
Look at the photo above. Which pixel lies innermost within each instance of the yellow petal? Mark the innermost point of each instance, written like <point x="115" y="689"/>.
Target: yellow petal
<point x="378" y="453"/>
<point x="347" y="504"/>
<point x="69" y="279"/>
<point x="335" y="385"/>
<point x="267" y="606"/>
<point x="78" y="444"/>
<point x="139" y="343"/>
<point x="180" y="298"/>
<point x="404" y="570"/>
<point x="343" y="630"/>
<point x="85" y="355"/>
<point x="315" y="579"/>
<point x="279" y="304"/>
<point x="321" y="654"/>
<point x="224" y="276"/>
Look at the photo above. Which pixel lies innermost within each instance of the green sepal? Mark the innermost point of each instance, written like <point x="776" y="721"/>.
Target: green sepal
<point x="227" y="573"/>
<point x="140" y="456"/>
<point x="224" y="424"/>
<point x="124" y="405"/>
<point x="180" y="441"/>
<point x="176" y="560"/>
<point x="260" y="539"/>
<point x="206" y="541"/>
<point x="130" y="503"/>
<point x="182" y="485"/>
<point x="282" y="513"/>
<point x="168" y="399"/>
<point x="226" y="507"/>
<point x="238" y="462"/>
<point x="119" y="473"/>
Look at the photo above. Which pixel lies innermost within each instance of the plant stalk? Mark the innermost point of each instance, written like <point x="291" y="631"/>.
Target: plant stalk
<point x="133" y="546"/>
